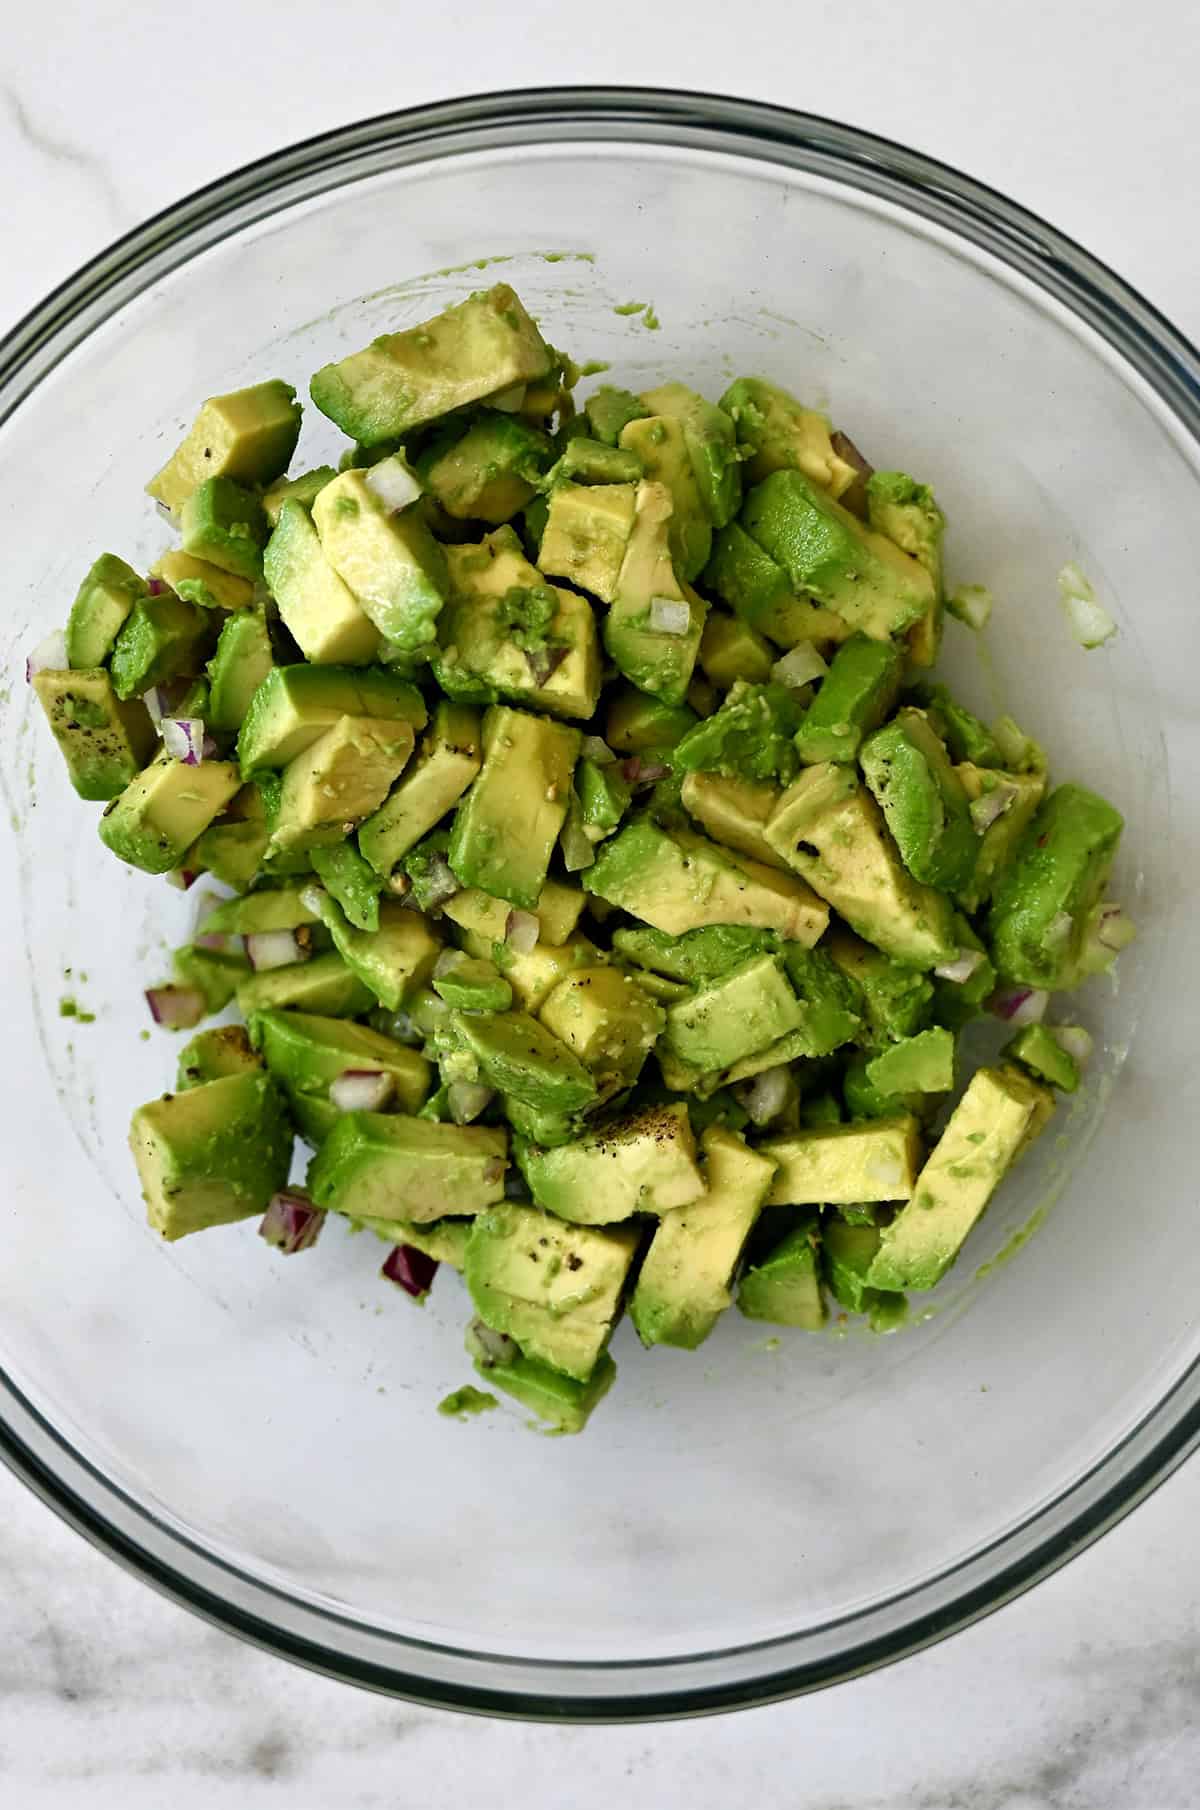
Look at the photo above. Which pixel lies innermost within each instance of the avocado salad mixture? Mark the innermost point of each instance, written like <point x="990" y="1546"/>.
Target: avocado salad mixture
<point x="608" y="879"/>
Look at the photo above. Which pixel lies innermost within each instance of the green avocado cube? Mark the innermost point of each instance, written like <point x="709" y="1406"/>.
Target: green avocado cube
<point x="848" y="1251"/>
<point x="734" y="812"/>
<point x="303" y="489"/>
<point x="471" y="984"/>
<point x="337" y="782"/>
<point x="777" y="433"/>
<point x="587" y="461"/>
<point x="731" y="650"/>
<point x="611" y="410"/>
<point x="519" y="1057"/>
<point x="447" y="760"/>
<point x="295" y="704"/>
<point x="559" y="1400"/>
<point x="604" y="796"/>
<point x="161" y="638"/>
<point x="306" y="1053"/>
<point x="1005" y="803"/>
<point x="697" y="956"/>
<point x="652" y="632"/>
<point x="639" y="724"/>
<point x="640" y="1161"/>
<point x="488" y="472"/>
<point x="907" y="513"/>
<point x="392" y="961"/>
<point x="198" y="581"/>
<point x="247" y="434"/>
<point x="830" y="1000"/>
<point x="967" y="738"/>
<point x="237" y="669"/>
<point x="864" y="1100"/>
<point x="351" y="882"/>
<point x="1036" y="1048"/>
<point x="388" y="558"/>
<point x="606" y="1019"/>
<point x="213" y="972"/>
<point x="587" y="533"/>
<point x="274" y="908"/>
<point x="103" y="601"/>
<point x="846" y="1165"/>
<point x="1038" y="919"/>
<point x="371" y="1162"/>
<point x="896" y="999"/>
<point x="164" y="809"/>
<point x="854" y="697"/>
<point x="661" y="444"/>
<point x="710" y="437"/>
<point x="923" y="1064"/>
<point x="445" y="1240"/>
<point x="212" y="1154"/>
<point x="785" y="1287"/>
<point x="747" y="1010"/>
<point x="749" y="737"/>
<point x="226" y="525"/>
<point x="211" y="1055"/>
<point x="103" y="740"/>
<point x="319" y="610"/>
<point x="506" y="828"/>
<point x="923" y="801"/>
<point x="759" y="591"/>
<point x="324" y="985"/>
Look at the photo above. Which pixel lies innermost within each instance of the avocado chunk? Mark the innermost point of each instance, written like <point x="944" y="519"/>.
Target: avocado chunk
<point x="320" y="611"/>
<point x="747" y="1010"/>
<point x="606" y="1019"/>
<point x="848" y="1252"/>
<point x="507" y="633"/>
<point x="827" y="552"/>
<point x="294" y="705"/>
<point x="554" y="1288"/>
<point x="830" y="1000"/>
<point x="683" y="1286"/>
<point x="212" y="1055"/>
<point x="587" y="461"/>
<point x="214" y="973"/>
<point x="249" y="435"/>
<point x="231" y="852"/>
<point x="782" y="435"/>
<point x="922" y="799"/>
<point x="844" y="1165"/>
<point x="518" y="1056"/>
<point x="660" y="442"/>
<point x="830" y="830"/>
<point x="697" y="956"/>
<point x="785" y="1287"/>
<point x="303" y="489"/>
<point x="652" y="658"/>
<point x="1004" y="804"/>
<point x="558" y="910"/>
<point x="446" y="761"/>
<point x="907" y="513"/>
<point x="388" y="559"/>
<point x="561" y="1401"/>
<point x="677" y="881"/>
<point x="731" y="650"/>
<point x="275" y="908"/>
<point x="735" y="812"/>
<point x="445" y="1240"/>
<point x="237" y="669"/>
<point x="212" y="1154"/>
<point x="342" y="778"/>
<point x="487" y="473"/>
<point x="225" y="525"/>
<point x="103" y="601"/>
<point x="749" y="737"/>
<point x="475" y="349"/>
<point x="373" y="1162"/>
<point x="967" y="738"/>
<point x="981" y="1140"/>
<point x="1036" y="1048"/>
<point x="394" y="960"/>
<point x="103" y="740"/>
<point x="923" y="1064"/>
<point x="611" y="410"/>
<point x="639" y="724"/>
<point x="199" y="581"/>
<point x="1038" y="918"/>
<point x="306" y="1053"/>
<point x="760" y="593"/>
<point x="324" y="985"/>
<point x="854" y="697"/>
<point x="161" y="638"/>
<point x="641" y="1161"/>
<point x="587" y="532"/>
<point x="533" y="975"/>
<point x="162" y="811"/>
<point x="710" y="437"/>
<point x="351" y="882"/>
<point x="506" y="828"/>
<point x="604" y="797"/>
<point x="470" y="983"/>
<point x="896" y="999"/>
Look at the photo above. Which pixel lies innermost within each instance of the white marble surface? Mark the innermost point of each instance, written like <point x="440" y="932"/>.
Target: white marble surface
<point x="1086" y="1692"/>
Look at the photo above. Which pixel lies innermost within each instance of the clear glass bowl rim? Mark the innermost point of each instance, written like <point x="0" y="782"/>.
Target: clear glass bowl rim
<point x="1093" y="294"/>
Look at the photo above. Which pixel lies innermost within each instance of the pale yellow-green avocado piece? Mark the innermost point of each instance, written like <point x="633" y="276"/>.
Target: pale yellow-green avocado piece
<point x="787" y="436"/>
<point x="160" y="813"/>
<point x="212" y="1154"/>
<point x="394" y="960"/>
<point x="506" y="827"/>
<point x="684" y="1284"/>
<point x="445" y="1240"/>
<point x="655" y="662"/>
<point x="321" y="611"/>
<point x="199" y="581"/>
<point x="557" y="911"/>
<point x="388" y="557"/>
<point x="985" y="1133"/>
<point x="828" y="828"/>
<point x="746" y="1010"/>
<point x="608" y="1021"/>
<point x="325" y="986"/>
<point x="735" y="812"/>
<point x="660" y="442"/>
<point x="447" y="760"/>
<point x="587" y="531"/>
<point x="639" y="1162"/>
<point x="846" y="1165"/>
<point x="344" y="776"/>
<point x="248" y="435"/>
<point x="999" y="841"/>
<point x="532" y="975"/>
<point x="730" y="650"/>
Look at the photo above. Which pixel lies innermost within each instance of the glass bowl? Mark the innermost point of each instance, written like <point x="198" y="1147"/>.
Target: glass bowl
<point x="259" y="1438"/>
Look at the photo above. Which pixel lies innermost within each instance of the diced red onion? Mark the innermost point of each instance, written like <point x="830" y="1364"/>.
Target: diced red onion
<point x="989" y="807"/>
<point x="155" y="587"/>
<point x="971" y="604"/>
<point x="392" y="483"/>
<point x="595" y="748"/>
<point x="410" y="1269"/>
<point x="521" y="931"/>
<point x="669" y="616"/>
<point x="1019" y="1005"/>
<point x="466" y="1100"/>
<point x="361" y="1090"/>
<point x="966" y="963"/>
<point x="800" y="667"/>
<point x="291" y="1222"/>
<point x="184" y="738"/>
<point x="544" y="662"/>
<point x="267" y="949"/>
<point x="1074" y="1041"/>
<point x="768" y="1095"/>
<point x="50" y="655"/>
<point x="489" y="1346"/>
<point x="1115" y="930"/>
<point x="641" y="774"/>
<point x="631" y="768"/>
<point x="175" y="1008"/>
<point x="441" y="882"/>
<point x="182" y="878"/>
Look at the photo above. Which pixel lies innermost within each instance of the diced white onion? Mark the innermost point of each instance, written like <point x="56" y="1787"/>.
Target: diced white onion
<point x="577" y="851"/>
<point x="393" y="483"/>
<point x="965" y="964"/>
<point x="521" y="931"/>
<point x="595" y="748"/>
<point x="800" y="667"/>
<point x="989" y="807"/>
<point x="1057" y="932"/>
<point x="466" y="1100"/>
<point x="50" y="655"/>
<point x="1114" y="929"/>
<point x="361" y="1090"/>
<point x="1074" y="1041"/>
<point x="510" y="400"/>
<point x="669" y="617"/>
<point x="768" y="1096"/>
<point x="971" y="604"/>
<point x="266" y="949"/>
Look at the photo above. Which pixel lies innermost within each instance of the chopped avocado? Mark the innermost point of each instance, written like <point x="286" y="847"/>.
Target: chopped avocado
<point x="855" y="696"/>
<point x="907" y="513"/>
<point x="895" y="998"/>
<point x="561" y="1401"/>
<point x="303" y="490"/>
<point x="475" y="349"/>
<point x="784" y="1287"/>
<point x="827" y="553"/>
<point x="660" y="442"/>
<point x="214" y="973"/>
<point x="677" y="881"/>
<point x="506" y="828"/>
<point x="604" y="797"/>
<point x="161" y="638"/>
<point x="967" y="738"/>
<point x="162" y="811"/>
<point x="750" y="737"/>
<point x="587" y="461"/>
<point x="225" y="525"/>
<point x="337" y="782"/>
<point x="831" y="1002"/>
<point x="103" y="740"/>
<point x="237" y="669"/>
<point x="981" y="1140"/>
<point x="844" y="1165"/>
<point x="863" y="1099"/>
<point x="506" y="633"/>
<point x="848" y="1252"/>
<point x="487" y="472"/>
<point x="351" y="881"/>
<point x="324" y="985"/>
<point x="321" y="612"/>
<point x="781" y="435"/>
<point x="611" y="410"/>
<point x="830" y="830"/>
<point x="387" y="557"/>
<point x="683" y="1286"/>
<point x="212" y="1154"/>
<point x="606" y="1019"/>
<point x="710" y="437"/>
<point x="1040" y="906"/>
<point x="518" y="1056"/>
<point x="759" y="591"/>
<point x="306" y="1053"/>
<point x="587" y="534"/>
<point x="392" y="961"/>
<point x="922" y="799"/>
<point x="735" y="812"/>
<point x="199" y="581"/>
<point x="445" y="1240"/>
<point x="213" y="1054"/>
<point x="102" y="602"/>
<point x="554" y="1288"/>
<point x="534" y="975"/>
<point x="249" y="435"/>
<point x="730" y="650"/>
<point x="923" y="1064"/>
<point x="295" y="705"/>
<point x="639" y="724"/>
<point x="447" y="760"/>
<point x="558" y="910"/>
<point x="469" y="983"/>
<point x="1002" y="805"/>
<point x="1036" y="1048"/>
<point x="654" y="656"/>
<point x="698" y="956"/>
<point x="746" y="1010"/>
<point x="276" y="908"/>
<point x="372" y="1162"/>
<point x="641" y="1161"/>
